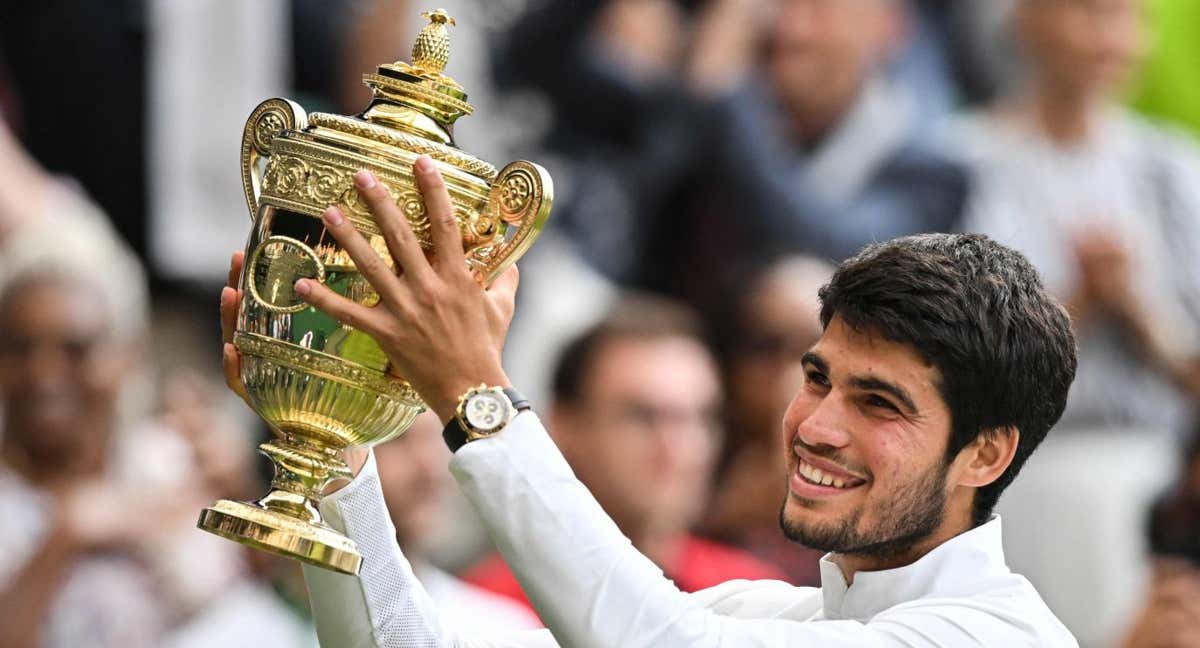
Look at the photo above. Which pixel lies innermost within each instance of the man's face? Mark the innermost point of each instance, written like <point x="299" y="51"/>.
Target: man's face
<point x="1087" y="46"/>
<point x="822" y="50"/>
<point x="865" y="440"/>
<point x="60" y="371"/>
<point x="645" y="434"/>
<point x="412" y="470"/>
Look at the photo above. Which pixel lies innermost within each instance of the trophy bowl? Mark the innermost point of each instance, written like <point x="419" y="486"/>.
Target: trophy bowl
<point x="320" y="385"/>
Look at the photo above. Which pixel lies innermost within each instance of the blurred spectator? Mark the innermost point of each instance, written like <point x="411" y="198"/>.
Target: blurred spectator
<point x="412" y="471"/>
<point x="1105" y="205"/>
<point x="636" y="414"/>
<point x="775" y="130"/>
<point x="770" y="327"/>
<point x="1171" y="616"/>
<point x="1169" y="82"/>
<point x="99" y="500"/>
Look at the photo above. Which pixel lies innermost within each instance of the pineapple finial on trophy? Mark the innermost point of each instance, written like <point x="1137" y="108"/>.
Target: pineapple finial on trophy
<point x="431" y="52"/>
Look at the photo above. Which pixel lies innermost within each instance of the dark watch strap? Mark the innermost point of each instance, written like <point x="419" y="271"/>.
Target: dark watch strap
<point x="455" y="435"/>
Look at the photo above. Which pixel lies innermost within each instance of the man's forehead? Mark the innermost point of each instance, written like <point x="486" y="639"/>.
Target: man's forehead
<point x="859" y="350"/>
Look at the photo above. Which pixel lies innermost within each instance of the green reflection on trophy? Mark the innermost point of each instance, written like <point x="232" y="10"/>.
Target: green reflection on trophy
<point x="320" y="385"/>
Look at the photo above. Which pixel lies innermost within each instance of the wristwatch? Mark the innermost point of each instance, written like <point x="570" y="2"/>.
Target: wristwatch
<point x="482" y="412"/>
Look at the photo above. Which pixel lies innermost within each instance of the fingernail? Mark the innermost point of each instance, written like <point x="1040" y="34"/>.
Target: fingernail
<point x="332" y="216"/>
<point x="228" y="349"/>
<point x="302" y="287"/>
<point x="364" y="179"/>
<point x="424" y="164"/>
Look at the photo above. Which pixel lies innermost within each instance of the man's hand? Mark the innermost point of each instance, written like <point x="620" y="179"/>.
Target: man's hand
<point x="441" y="330"/>
<point x="231" y="296"/>
<point x="231" y="360"/>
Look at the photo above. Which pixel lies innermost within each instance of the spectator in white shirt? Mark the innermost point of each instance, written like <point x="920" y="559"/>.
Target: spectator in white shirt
<point x="942" y="365"/>
<point x="1105" y="205"/>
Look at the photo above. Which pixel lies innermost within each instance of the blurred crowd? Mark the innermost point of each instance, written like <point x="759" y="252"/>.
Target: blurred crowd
<point x="714" y="159"/>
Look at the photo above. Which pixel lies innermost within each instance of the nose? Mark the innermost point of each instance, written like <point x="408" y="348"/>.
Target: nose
<point x="825" y="424"/>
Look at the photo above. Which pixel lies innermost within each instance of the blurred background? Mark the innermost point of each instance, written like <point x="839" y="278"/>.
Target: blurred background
<point x="713" y="160"/>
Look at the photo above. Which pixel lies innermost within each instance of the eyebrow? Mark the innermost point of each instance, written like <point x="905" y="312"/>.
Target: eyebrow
<point x="867" y="383"/>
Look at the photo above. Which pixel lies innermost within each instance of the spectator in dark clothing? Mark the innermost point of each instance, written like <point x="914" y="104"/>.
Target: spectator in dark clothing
<point x="803" y="144"/>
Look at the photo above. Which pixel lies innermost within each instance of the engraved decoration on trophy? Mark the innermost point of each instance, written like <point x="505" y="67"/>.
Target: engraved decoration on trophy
<point x="320" y="385"/>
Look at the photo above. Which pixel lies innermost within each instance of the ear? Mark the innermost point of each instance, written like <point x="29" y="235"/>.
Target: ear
<point x="987" y="457"/>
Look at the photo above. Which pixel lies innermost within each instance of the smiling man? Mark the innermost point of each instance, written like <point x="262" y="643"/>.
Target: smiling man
<point x="942" y="365"/>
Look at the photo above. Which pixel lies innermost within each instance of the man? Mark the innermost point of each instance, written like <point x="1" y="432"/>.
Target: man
<point x="1105" y="205"/>
<point x="636" y="414"/>
<point x="412" y="470"/>
<point x="781" y="130"/>
<point x="942" y="365"/>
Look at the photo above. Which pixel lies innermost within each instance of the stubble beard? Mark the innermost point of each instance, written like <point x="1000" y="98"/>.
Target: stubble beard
<point x="913" y="514"/>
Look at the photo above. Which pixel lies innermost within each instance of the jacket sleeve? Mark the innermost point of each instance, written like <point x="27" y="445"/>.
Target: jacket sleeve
<point x="385" y="606"/>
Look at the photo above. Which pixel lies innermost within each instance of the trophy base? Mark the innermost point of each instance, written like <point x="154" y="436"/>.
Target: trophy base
<point x="281" y="534"/>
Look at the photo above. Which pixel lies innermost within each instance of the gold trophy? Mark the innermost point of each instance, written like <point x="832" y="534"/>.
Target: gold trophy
<point x="320" y="385"/>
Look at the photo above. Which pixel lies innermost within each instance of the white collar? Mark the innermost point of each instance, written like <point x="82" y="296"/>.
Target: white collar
<point x="951" y="569"/>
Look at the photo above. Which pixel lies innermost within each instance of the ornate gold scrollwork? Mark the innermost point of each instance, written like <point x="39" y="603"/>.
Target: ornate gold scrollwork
<point x="521" y="197"/>
<point x="271" y="118"/>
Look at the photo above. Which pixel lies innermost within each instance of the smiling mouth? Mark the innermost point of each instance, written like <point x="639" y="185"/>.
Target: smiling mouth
<point x="818" y="477"/>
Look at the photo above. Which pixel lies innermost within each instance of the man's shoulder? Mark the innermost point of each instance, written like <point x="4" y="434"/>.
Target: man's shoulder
<point x="999" y="606"/>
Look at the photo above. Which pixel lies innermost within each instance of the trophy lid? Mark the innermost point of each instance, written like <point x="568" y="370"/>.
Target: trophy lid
<point x="420" y="85"/>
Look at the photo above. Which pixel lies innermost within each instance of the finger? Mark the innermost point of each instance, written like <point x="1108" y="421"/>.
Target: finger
<point x="229" y="310"/>
<point x="231" y="363"/>
<point x="366" y="259"/>
<point x="447" y="239"/>
<point x="235" y="268"/>
<point x="344" y="310"/>
<point x="398" y="234"/>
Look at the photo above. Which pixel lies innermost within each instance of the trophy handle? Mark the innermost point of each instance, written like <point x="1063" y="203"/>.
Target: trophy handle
<point x="269" y="119"/>
<point x="521" y="197"/>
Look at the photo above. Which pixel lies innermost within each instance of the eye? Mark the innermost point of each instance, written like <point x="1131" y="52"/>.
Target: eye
<point x="814" y="377"/>
<point x="874" y="400"/>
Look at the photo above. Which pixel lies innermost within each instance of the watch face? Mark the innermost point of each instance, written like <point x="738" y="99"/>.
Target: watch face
<point x="486" y="411"/>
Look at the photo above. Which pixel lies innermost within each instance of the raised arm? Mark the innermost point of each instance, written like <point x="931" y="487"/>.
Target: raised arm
<point x="444" y="333"/>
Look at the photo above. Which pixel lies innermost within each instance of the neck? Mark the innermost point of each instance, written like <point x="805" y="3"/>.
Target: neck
<point x="1064" y="115"/>
<point x="812" y="123"/>
<point x="851" y="564"/>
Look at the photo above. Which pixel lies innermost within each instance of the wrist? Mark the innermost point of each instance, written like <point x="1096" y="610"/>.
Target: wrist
<point x="445" y="403"/>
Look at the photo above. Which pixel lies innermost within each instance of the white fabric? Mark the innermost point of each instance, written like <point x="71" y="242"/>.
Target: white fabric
<point x="592" y="588"/>
<point x="210" y="63"/>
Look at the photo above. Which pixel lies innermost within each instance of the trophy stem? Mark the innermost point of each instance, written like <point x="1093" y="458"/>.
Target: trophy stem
<point x="287" y="521"/>
<point x="302" y="470"/>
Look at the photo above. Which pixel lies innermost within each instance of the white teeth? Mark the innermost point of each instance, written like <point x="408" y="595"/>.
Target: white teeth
<point x="818" y="476"/>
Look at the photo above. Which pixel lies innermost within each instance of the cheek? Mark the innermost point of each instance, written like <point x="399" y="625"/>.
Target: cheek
<point x="891" y="455"/>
